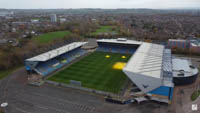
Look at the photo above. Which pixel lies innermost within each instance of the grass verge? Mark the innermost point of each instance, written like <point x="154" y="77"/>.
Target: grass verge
<point x="195" y="95"/>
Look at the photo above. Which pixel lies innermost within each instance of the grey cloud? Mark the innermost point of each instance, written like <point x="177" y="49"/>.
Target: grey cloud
<point x="156" y="4"/>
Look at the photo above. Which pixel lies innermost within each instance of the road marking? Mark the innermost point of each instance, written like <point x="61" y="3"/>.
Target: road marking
<point x="21" y="110"/>
<point x="74" y="105"/>
<point x="42" y="107"/>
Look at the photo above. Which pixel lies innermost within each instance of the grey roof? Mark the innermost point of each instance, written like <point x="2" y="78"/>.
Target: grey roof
<point x="3" y="41"/>
<point x="56" y="52"/>
<point x="120" y="41"/>
<point x="147" y="60"/>
<point x="167" y="60"/>
<point x="180" y="64"/>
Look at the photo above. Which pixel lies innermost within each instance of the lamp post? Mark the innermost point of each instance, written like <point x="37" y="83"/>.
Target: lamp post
<point x="4" y="105"/>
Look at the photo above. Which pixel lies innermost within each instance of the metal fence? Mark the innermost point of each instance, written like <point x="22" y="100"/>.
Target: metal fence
<point x="82" y="88"/>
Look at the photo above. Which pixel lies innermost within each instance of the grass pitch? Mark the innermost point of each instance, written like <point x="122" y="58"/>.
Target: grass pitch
<point x="48" y="37"/>
<point x="106" y="29"/>
<point x="95" y="71"/>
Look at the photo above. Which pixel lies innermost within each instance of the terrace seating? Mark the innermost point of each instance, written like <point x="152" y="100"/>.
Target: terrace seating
<point x="116" y="49"/>
<point x="56" y="63"/>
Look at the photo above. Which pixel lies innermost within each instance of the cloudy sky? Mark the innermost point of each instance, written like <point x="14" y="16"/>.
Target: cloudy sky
<point x="44" y="4"/>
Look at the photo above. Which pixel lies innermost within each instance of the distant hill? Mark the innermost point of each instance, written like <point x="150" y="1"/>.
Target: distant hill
<point x="105" y="11"/>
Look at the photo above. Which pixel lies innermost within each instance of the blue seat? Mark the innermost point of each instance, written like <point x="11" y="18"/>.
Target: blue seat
<point x="47" y="67"/>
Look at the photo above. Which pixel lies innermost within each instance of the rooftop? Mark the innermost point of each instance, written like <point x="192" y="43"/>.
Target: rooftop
<point x="120" y="41"/>
<point x="183" y="67"/>
<point x="53" y="53"/>
<point x="147" y="60"/>
<point x="167" y="62"/>
<point x="196" y="44"/>
<point x="180" y="64"/>
<point x="182" y="40"/>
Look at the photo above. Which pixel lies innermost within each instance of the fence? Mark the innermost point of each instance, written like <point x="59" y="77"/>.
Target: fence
<point x="82" y="88"/>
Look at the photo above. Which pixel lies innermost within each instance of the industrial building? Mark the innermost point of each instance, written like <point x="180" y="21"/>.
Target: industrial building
<point x="193" y="44"/>
<point x="178" y="43"/>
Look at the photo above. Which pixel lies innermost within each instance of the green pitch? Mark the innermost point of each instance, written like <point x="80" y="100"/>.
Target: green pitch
<point x="95" y="71"/>
<point x="106" y="29"/>
<point x="48" y="37"/>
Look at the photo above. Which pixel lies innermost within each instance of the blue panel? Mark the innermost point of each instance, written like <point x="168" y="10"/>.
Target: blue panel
<point x="120" y="48"/>
<point x="162" y="90"/>
<point x="175" y="44"/>
<point x="171" y="94"/>
<point x="180" y="45"/>
<point x="28" y="68"/>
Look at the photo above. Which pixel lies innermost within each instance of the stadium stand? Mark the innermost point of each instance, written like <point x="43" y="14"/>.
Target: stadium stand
<point x="46" y="66"/>
<point x="116" y="48"/>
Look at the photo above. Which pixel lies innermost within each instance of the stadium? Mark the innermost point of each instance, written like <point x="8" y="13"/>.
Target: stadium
<point x="111" y="65"/>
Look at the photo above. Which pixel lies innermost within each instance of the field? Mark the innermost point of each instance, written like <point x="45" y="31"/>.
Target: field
<point x="106" y="29"/>
<point x="95" y="71"/>
<point x="48" y="37"/>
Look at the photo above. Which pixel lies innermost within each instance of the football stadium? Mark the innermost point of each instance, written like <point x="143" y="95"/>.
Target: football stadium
<point x="110" y="66"/>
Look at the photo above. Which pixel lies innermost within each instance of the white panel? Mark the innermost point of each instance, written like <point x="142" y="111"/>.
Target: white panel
<point x="51" y="54"/>
<point x="180" y="64"/>
<point x="141" y="81"/>
<point x="120" y="42"/>
<point x="147" y="60"/>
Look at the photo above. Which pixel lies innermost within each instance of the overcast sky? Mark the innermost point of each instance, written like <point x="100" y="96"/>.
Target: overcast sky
<point x="46" y="4"/>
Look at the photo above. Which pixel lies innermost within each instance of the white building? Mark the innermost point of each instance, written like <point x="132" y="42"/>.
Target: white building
<point x="63" y="20"/>
<point x="34" y="20"/>
<point x="6" y="13"/>
<point x="53" y="18"/>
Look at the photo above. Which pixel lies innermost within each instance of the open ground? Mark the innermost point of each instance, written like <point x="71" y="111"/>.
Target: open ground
<point x="48" y="37"/>
<point x="106" y="29"/>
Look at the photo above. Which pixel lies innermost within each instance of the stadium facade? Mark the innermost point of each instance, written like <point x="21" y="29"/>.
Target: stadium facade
<point x="152" y="69"/>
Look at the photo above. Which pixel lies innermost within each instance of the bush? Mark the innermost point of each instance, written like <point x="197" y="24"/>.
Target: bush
<point x="195" y="95"/>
